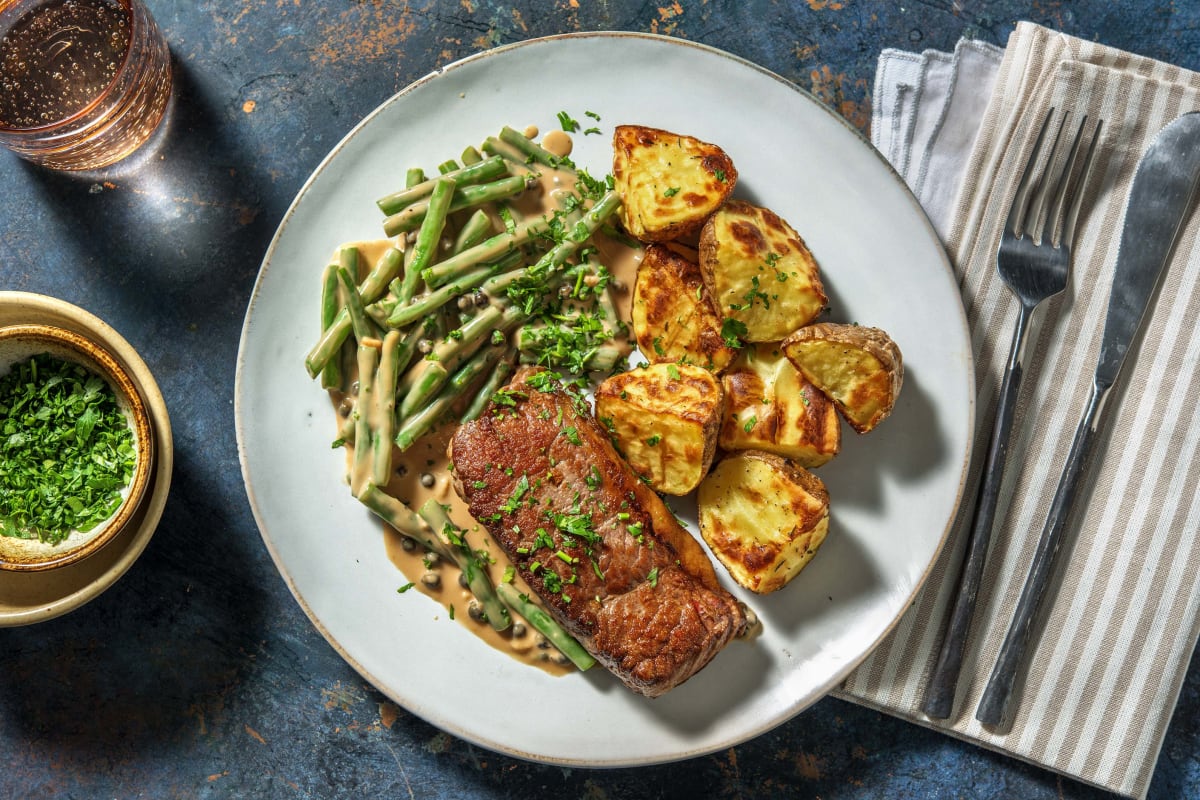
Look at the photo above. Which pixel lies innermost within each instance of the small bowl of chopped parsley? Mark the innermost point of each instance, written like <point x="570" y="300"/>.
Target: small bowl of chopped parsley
<point x="75" y="447"/>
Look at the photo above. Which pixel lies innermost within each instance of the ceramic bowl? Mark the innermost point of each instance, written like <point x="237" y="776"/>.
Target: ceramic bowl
<point x="21" y="341"/>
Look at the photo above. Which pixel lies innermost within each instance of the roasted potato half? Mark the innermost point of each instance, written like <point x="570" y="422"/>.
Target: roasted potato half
<point x="770" y="406"/>
<point x="763" y="518"/>
<point x="674" y="319"/>
<point x="759" y="271"/>
<point x="857" y="367"/>
<point x="664" y="420"/>
<point x="669" y="184"/>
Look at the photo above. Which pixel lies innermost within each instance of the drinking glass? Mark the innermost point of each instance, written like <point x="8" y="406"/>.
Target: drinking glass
<point x="83" y="83"/>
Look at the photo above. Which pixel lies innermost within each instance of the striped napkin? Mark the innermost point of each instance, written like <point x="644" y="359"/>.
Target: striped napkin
<point x="1121" y="624"/>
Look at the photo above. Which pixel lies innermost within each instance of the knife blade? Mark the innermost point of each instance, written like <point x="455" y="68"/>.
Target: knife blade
<point x="1160" y="198"/>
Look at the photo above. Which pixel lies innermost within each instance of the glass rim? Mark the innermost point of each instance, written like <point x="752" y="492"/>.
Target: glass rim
<point x="50" y="127"/>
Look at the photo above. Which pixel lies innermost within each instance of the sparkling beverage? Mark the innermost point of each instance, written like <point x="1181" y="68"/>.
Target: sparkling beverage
<point x="83" y="83"/>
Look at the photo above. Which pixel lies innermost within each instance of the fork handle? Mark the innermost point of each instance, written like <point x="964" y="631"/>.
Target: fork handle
<point x="943" y="682"/>
<point x="993" y="707"/>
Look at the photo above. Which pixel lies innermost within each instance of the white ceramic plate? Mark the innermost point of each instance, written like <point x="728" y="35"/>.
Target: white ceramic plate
<point x="893" y="492"/>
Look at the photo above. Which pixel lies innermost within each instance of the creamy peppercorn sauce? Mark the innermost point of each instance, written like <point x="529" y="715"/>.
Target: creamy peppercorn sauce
<point x="423" y="472"/>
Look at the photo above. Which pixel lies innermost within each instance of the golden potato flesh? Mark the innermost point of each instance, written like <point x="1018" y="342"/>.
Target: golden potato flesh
<point x="770" y="406"/>
<point x="669" y="184"/>
<point x="674" y="319"/>
<point x="859" y="368"/>
<point x="759" y="272"/>
<point x="664" y="418"/>
<point x="763" y="518"/>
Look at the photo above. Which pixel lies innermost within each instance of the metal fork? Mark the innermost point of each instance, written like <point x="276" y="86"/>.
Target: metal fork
<point x="1035" y="266"/>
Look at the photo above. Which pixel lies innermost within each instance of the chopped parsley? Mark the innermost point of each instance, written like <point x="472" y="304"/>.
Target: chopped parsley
<point x="652" y="577"/>
<point x="66" y="450"/>
<point x="674" y="190"/>
<point x="750" y="423"/>
<point x="405" y="587"/>
<point x="732" y="330"/>
<point x="654" y="440"/>
<point x="567" y="123"/>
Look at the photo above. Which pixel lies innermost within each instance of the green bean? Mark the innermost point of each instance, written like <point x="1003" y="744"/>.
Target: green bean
<point x="423" y="421"/>
<point x="471" y="174"/>
<point x="485" y="251"/>
<point x="420" y="385"/>
<point x="335" y="334"/>
<point x="385" y="399"/>
<point x="471" y="156"/>
<point x="474" y="570"/>
<point x="331" y="375"/>
<point x="414" y="177"/>
<point x="464" y="197"/>
<point x="544" y="624"/>
<point x="429" y="236"/>
<point x="473" y="231"/>
<point x="363" y="327"/>
<point x="364" y="433"/>
<point x="495" y="380"/>
<point x="426" y="304"/>
<point x="403" y="519"/>
<point x="528" y="147"/>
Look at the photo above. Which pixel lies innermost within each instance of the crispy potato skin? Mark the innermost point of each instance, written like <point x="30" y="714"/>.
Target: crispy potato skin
<point x="664" y="419"/>
<point x="669" y="183"/>
<point x="759" y="271"/>
<point x="770" y="406"/>
<point x="763" y="517"/>
<point x="674" y="318"/>
<point x="859" y="368"/>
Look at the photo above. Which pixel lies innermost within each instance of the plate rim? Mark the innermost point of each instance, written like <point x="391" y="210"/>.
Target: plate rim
<point x="826" y="687"/>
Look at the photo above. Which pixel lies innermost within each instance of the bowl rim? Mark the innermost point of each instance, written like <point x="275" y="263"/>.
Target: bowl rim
<point x="94" y="355"/>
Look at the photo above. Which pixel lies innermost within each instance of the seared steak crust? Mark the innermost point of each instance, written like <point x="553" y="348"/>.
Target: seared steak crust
<point x="601" y="550"/>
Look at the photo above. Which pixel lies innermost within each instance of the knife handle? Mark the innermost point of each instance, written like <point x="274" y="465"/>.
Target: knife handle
<point x="943" y="682"/>
<point x="993" y="707"/>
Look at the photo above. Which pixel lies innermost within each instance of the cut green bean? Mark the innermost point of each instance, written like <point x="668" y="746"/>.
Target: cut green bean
<point x="331" y="374"/>
<point x="464" y="197"/>
<point x="404" y="520"/>
<point x="414" y="177"/>
<point x="529" y="148"/>
<point x="385" y="402"/>
<point x="486" y="170"/>
<point x="473" y="568"/>
<point x="364" y="433"/>
<point x="428" y="238"/>
<point x="544" y="624"/>
<point x="420" y="385"/>
<point x="426" y="304"/>
<point x="494" y="147"/>
<point x="359" y="323"/>
<point x="424" y="420"/>
<point x="446" y="167"/>
<point x="488" y="250"/>
<point x="470" y="156"/>
<point x="473" y="231"/>
<point x="336" y="333"/>
<point x="496" y="379"/>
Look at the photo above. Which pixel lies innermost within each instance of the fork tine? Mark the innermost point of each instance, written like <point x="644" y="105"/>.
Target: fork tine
<point x="1061" y="181"/>
<point x="1035" y="224"/>
<point x="1068" y="230"/>
<point x="1017" y="212"/>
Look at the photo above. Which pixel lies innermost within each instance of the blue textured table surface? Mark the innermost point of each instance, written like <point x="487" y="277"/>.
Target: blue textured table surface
<point x="197" y="674"/>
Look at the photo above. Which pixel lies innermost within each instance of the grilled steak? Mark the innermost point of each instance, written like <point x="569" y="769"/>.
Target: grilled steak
<point x="605" y="555"/>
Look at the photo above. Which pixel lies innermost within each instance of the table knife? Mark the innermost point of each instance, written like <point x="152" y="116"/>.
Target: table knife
<point x="1159" y="201"/>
